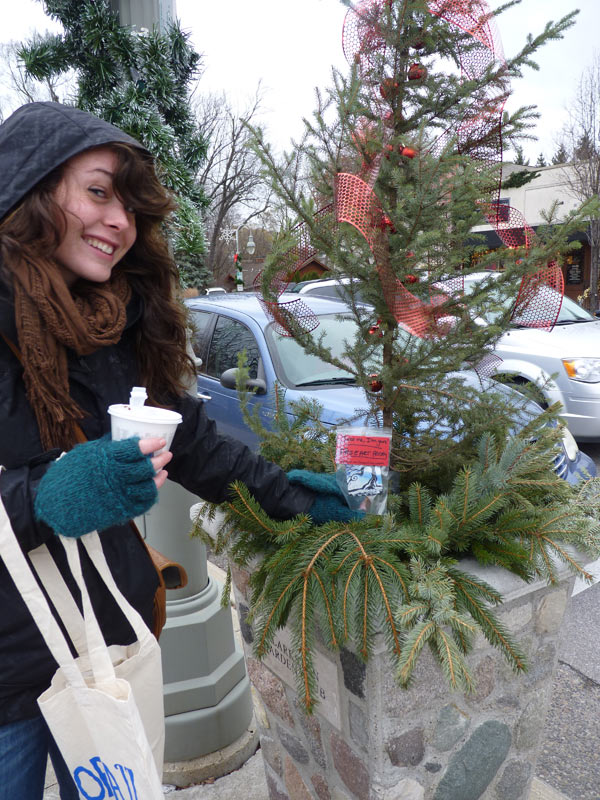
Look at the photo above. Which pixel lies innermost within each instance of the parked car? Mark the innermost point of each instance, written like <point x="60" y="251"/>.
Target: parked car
<point x="563" y="363"/>
<point x="322" y="287"/>
<point x="224" y="325"/>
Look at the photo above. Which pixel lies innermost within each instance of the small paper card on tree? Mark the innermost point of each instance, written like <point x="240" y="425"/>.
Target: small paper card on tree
<point x="360" y="449"/>
<point x="362" y="458"/>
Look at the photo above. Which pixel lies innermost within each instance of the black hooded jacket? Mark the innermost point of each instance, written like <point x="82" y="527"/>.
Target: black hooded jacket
<point x="33" y="141"/>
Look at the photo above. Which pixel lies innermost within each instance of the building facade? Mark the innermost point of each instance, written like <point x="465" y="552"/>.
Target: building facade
<point x="553" y="183"/>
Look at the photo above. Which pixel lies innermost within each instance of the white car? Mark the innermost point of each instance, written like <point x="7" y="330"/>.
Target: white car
<point x="563" y="364"/>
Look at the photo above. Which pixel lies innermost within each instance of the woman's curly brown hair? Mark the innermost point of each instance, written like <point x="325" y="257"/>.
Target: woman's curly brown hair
<point x="36" y="226"/>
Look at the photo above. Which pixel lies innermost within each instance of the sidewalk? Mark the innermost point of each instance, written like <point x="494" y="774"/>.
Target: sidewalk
<point x="248" y="782"/>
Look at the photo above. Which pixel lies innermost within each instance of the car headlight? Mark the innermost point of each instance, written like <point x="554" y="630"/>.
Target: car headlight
<point x="570" y="444"/>
<point x="583" y="369"/>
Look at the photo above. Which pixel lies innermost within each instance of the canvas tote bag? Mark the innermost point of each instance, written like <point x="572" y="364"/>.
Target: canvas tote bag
<point x="90" y="707"/>
<point x="138" y="663"/>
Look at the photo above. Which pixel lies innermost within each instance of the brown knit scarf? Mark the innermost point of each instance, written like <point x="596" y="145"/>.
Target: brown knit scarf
<point x="49" y="319"/>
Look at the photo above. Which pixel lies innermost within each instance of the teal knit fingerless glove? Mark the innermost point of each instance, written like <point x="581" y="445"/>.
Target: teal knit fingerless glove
<point x="330" y="503"/>
<point x="95" y="485"/>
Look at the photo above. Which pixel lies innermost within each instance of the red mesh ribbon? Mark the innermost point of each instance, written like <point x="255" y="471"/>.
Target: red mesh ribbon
<point x="358" y="205"/>
<point x="487" y="366"/>
<point x="362" y="39"/>
<point x="539" y="299"/>
<point x="294" y="316"/>
<point x="478" y="133"/>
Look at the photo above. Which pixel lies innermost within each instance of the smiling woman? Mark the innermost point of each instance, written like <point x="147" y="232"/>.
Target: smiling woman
<point x="99" y="229"/>
<point x="89" y="308"/>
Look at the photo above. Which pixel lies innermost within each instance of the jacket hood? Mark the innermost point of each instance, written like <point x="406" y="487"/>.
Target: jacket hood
<point x="39" y="137"/>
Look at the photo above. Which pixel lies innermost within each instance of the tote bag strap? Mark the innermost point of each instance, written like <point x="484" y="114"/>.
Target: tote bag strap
<point x="99" y="657"/>
<point x="91" y="542"/>
<point x="63" y="601"/>
<point x="60" y="596"/>
<point x="34" y="599"/>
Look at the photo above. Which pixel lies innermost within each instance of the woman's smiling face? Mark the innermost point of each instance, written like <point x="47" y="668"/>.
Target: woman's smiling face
<point x="100" y="230"/>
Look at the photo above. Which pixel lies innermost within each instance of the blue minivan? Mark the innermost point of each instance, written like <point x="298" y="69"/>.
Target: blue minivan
<point x="225" y="324"/>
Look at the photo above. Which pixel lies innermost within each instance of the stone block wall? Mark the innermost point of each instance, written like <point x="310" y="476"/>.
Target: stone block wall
<point x="371" y="740"/>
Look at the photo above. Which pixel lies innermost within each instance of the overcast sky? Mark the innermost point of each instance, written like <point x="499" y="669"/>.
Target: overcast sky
<point x="290" y="46"/>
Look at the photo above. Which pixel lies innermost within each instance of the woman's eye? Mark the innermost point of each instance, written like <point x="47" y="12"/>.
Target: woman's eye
<point x="97" y="191"/>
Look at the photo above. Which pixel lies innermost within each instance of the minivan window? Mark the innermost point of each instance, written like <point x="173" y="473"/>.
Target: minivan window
<point x="297" y="368"/>
<point x="201" y="321"/>
<point x="230" y="337"/>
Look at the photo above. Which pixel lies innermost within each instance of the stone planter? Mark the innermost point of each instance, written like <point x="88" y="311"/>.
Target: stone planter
<point x="371" y="740"/>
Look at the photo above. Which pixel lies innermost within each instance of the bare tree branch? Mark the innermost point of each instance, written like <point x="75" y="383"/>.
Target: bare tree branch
<point x="581" y="138"/>
<point x="231" y="176"/>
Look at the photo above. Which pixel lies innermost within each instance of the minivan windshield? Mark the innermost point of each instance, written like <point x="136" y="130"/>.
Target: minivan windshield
<point x="570" y="311"/>
<point x="295" y="367"/>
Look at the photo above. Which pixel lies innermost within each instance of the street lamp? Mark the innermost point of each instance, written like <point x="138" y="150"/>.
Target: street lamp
<point x="228" y="235"/>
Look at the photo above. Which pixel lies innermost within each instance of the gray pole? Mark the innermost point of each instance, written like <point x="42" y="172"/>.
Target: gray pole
<point x="144" y="13"/>
<point x="208" y="704"/>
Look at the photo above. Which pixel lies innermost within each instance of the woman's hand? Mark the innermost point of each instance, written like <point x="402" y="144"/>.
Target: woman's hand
<point x="151" y="445"/>
<point x="101" y="483"/>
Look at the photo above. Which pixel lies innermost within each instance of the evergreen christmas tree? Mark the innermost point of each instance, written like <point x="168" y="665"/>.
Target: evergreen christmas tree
<point x="411" y="164"/>
<point x="408" y="166"/>
<point x="140" y="82"/>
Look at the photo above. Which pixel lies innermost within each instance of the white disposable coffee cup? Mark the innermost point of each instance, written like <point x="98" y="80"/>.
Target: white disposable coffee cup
<point x="143" y="421"/>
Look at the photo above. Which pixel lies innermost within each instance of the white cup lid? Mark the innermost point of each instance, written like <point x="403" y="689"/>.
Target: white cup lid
<point x="145" y="413"/>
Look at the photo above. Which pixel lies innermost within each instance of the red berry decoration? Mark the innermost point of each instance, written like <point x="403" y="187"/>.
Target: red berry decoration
<point x="411" y="279"/>
<point x="416" y="72"/>
<point x="407" y="152"/>
<point x="375" y="330"/>
<point x="386" y="223"/>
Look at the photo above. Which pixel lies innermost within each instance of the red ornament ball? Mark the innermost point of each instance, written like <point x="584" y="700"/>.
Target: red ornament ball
<point x="416" y="72"/>
<point x="375" y="330"/>
<point x="411" y="279"/>
<point x="375" y="384"/>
